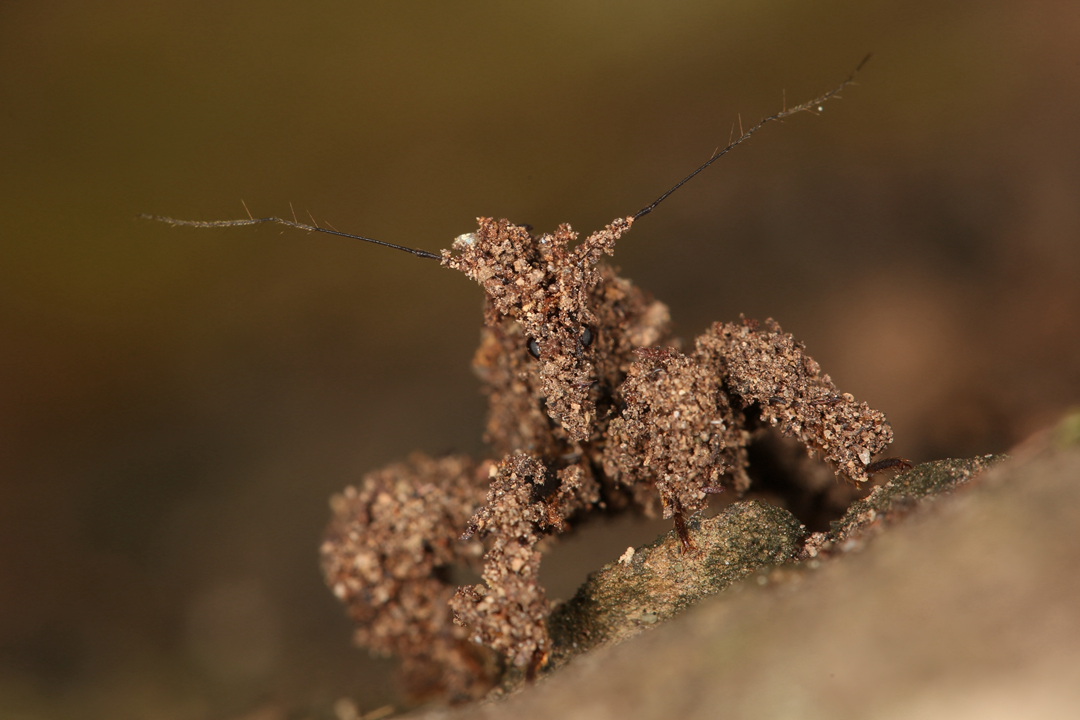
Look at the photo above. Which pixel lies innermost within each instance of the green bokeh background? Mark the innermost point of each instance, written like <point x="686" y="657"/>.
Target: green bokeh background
<point x="178" y="404"/>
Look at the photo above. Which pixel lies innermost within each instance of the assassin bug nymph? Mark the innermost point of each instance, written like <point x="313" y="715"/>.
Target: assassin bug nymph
<point x="588" y="408"/>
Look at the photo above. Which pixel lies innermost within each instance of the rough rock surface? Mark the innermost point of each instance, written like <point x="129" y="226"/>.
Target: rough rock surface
<point x="655" y="582"/>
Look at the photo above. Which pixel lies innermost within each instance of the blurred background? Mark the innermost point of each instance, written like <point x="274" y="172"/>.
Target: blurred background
<point x="179" y="404"/>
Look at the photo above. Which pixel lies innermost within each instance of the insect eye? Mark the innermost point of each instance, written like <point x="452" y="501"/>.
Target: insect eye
<point x="586" y="336"/>
<point x="533" y="348"/>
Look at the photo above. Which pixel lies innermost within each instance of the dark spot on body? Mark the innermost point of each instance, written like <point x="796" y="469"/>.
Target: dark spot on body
<point x="586" y="336"/>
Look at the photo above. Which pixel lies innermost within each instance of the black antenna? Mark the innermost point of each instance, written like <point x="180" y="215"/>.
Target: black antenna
<point x="290" y="223"/>
<point x="808" y="106"/>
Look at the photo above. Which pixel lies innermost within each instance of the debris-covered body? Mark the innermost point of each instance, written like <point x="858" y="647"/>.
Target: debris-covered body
<point x="589" y="406"/>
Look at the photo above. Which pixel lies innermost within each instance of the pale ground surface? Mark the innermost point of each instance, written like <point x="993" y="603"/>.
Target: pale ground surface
<point x="969" y="609"/>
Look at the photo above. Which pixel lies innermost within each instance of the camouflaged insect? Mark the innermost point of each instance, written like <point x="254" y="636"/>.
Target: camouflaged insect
<point x="586" y="410"/>
<point x="590" y="405"/>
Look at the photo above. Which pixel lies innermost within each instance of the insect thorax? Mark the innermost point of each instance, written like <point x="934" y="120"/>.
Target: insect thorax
<point x="560" y="332"/>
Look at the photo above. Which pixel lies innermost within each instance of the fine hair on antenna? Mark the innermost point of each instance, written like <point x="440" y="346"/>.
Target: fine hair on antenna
<point x="811" y="106"/>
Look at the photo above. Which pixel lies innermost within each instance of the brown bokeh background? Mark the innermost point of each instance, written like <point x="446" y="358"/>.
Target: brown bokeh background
<point x="178" y="404"/>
